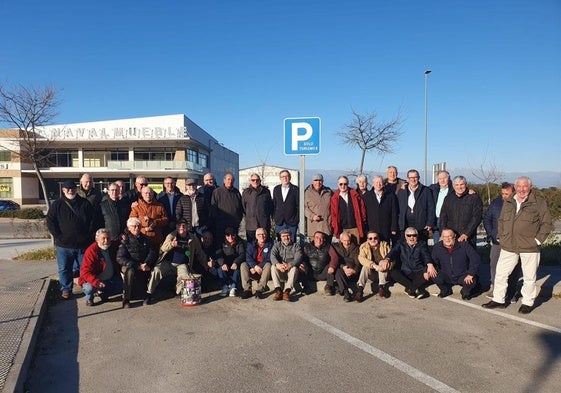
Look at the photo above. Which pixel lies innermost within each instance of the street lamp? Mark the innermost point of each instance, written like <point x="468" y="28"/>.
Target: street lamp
<point x="427" y="72"/>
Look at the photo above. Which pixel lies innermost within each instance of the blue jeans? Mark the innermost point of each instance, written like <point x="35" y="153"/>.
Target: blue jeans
<point x="291" y="228"/>
<point x="113" y="286"/>
<point x="66" y="258"/>
<point x="223" y="276"/>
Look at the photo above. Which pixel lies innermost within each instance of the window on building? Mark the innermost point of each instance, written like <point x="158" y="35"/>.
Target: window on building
<point x="203" y="160"/>
<point x="95" y="158"/>
<point x="6" y="187"/>
<point x="61" y="158"/>
<point x="161" y="154"/>
<point x="5" y="155"/>
<point x="193" y="156"/>
<point x="119" y="155"/>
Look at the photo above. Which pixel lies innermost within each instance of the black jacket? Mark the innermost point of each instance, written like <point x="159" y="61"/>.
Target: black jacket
<point x="462" y="214"/>
<point x="183" y="209"/>
<point x="424" y="211"/>
<point x="286" y="212"/>
<point x="381" y="217"/>
<point x="71" y="227"/>
<point x="135" y="250"/>
<point x="115" y="215"/>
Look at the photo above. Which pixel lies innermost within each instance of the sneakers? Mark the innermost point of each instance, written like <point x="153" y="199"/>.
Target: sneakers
<point x="246" y="294"/>
<point x="278" y="294"/>
<point x="422" y="294"/>
<point x="286" y="295"/>
<point x="225" y="291"/>
<point x="493" y="304"/>
<point x="409" y="293"/>
<point x="328" y="290"/>
<point x="232" y="292"/>
<point x="383" y="291"/>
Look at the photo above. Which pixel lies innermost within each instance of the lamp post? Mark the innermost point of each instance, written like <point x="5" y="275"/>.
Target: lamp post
<point x="427" y="72"/>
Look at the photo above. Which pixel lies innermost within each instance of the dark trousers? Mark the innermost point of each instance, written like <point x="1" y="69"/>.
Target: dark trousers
<point x="411" y="281"/>
<point x="311" y="275"/>
<point x="136" y="279"/>
<point x="344" y="282"/>
<point x="445" y="282"/>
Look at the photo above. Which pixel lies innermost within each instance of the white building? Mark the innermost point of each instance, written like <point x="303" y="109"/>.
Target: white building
<point x="269" y="176"/>
<point x="154" y="147"/>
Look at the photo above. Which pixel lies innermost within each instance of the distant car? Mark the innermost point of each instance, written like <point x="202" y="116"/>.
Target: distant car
<point x="8" y="205"/>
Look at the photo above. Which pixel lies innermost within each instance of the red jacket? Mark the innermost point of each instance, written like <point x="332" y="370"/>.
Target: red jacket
<point x="93" y="263"/>
<point x="358" y="208"/>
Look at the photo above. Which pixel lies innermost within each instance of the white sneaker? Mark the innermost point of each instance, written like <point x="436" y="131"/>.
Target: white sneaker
<point x="232" y="291"/>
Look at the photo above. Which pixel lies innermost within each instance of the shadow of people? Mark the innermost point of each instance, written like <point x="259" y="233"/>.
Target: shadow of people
<point x="545" y="376"/>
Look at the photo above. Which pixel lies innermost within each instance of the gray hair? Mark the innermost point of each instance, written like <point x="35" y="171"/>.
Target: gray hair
<point x="133" y="220"/>
<point x="459" y="179"/>
<point x="101" y="231"/>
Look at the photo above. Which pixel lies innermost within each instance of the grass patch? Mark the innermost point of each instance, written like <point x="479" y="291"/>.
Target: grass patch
<point x="44" y="254"/>
<point x="28" y="214"/>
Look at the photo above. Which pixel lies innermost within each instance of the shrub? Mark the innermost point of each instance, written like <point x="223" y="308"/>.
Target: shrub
<point x="27" y="214"/>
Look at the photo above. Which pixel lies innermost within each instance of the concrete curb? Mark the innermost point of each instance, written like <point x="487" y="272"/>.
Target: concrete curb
<point x="18" y="372"/>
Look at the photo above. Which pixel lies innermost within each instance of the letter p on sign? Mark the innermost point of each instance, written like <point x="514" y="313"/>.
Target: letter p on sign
<point x="302" y="136"/>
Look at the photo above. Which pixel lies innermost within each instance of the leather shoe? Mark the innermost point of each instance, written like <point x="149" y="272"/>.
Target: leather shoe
<point x="147" y="301"/>
<point x="66" y="295"/>
<point x="358" y="297"/>
<point x="328" y="290"/>
<point x="383" y="291"/>
<point x="347" y="296"/>
<point x="445" y="292"/>
<point x="525" y="309"/>
<point x="466" y="297"/>
<point x="277" y="295"/>
<point x="259" y="294"/>
<point x="493" y="304"/>
<point x="286" y="295"/>
<point x="246" y="294"/>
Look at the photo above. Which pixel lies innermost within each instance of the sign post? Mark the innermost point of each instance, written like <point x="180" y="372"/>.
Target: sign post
<point x="302" y="137"/>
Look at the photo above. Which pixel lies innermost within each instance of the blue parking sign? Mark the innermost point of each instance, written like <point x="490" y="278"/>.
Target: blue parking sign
<point x="302" y="135"/>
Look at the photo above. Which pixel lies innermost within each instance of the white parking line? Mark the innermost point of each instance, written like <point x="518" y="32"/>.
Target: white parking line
<point x="381" y="355"/>
<point x="504" y="315"/>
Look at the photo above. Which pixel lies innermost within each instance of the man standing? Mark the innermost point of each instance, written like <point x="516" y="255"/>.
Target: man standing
<point x="192" y="208"/>
<point x="100" y="271"/>
<point x="169" y="197"/>
<point x="457" y="264"/>
<point x="416" y="207"/>
<point x="461" y="212"/>
<point x="133" y="194"/>
<point x="393" y="183"/>
<point x="209" y="185"/>
<point x="440" y="190"/>
<point x="226" y="209"/>
<point x="286" y="258"/>
<point x="70" y="220"/>
<point x="258" y="206"/>
<point x="317" y="200"/>
<point x="152" y="215"/>
<point x="285" y="202"/>
<point x="524" y="224"/>
<point x="347" y="210"/>
<point x="381" y="210"/>
<point x="88" y="191"/>
<point x="115" y="211"/>
<point x="257" y="265"/>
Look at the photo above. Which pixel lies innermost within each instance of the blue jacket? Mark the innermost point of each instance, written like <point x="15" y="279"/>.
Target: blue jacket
<point x="460" y="260"/>
<point x="251" y="254"/>
<point x="411" y="259"/>
<point x="491" y="219"/>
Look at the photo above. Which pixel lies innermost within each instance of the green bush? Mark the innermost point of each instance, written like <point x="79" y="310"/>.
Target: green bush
<point x="27" y="214"/>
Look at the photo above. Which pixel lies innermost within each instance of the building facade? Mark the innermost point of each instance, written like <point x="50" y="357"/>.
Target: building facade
<point x="154" y="147"/>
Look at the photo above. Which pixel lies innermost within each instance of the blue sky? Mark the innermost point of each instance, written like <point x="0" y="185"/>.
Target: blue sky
<point x="238" y="68"/>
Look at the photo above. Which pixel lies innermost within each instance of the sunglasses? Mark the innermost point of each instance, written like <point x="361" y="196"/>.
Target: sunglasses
<point x="254" y="179"/>
<point x="343" y="184"/>
<point x="411" y="235"/>
<point x="372" y="238"/>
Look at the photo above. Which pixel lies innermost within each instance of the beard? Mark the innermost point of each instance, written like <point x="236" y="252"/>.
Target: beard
<point x="70" y="196"/>
<point x="104" y="247"/>
<point x="190" y="192"/>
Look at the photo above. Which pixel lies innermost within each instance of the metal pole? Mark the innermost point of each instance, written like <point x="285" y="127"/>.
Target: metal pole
<point x="427" y="72"/>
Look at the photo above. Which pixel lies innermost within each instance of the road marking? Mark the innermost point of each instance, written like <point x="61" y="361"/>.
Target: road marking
<point x="381" y="355"/>
<point x="504" y="315"/>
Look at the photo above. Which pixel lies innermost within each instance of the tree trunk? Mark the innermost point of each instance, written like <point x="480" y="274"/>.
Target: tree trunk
<point x="362" y="161"/>
<point x="43" y="185"/>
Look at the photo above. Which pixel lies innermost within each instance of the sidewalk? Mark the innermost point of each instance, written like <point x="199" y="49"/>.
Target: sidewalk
<point x="23" y="294"/>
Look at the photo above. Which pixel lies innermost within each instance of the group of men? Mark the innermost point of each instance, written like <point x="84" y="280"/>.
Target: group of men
<point x="354" y="235"/>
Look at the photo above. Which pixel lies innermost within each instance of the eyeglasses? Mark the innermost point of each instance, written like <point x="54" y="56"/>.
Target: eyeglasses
<point x="143" y="184"/>
<point x="372" y="238"/>
<point x="411" y="235"/>
<point x="412" y="177"/>
<point x="343" y="184"/>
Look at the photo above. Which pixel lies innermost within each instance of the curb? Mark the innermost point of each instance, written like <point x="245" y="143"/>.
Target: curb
<point x="17" y="375"/>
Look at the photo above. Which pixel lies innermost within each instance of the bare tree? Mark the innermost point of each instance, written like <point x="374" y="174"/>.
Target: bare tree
<point x="26" y="109"/>
<point x="367" y="133"/>
<point x="488" y="174"/>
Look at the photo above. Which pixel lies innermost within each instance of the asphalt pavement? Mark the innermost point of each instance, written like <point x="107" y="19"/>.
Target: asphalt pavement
<point x="314" y="344"/>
